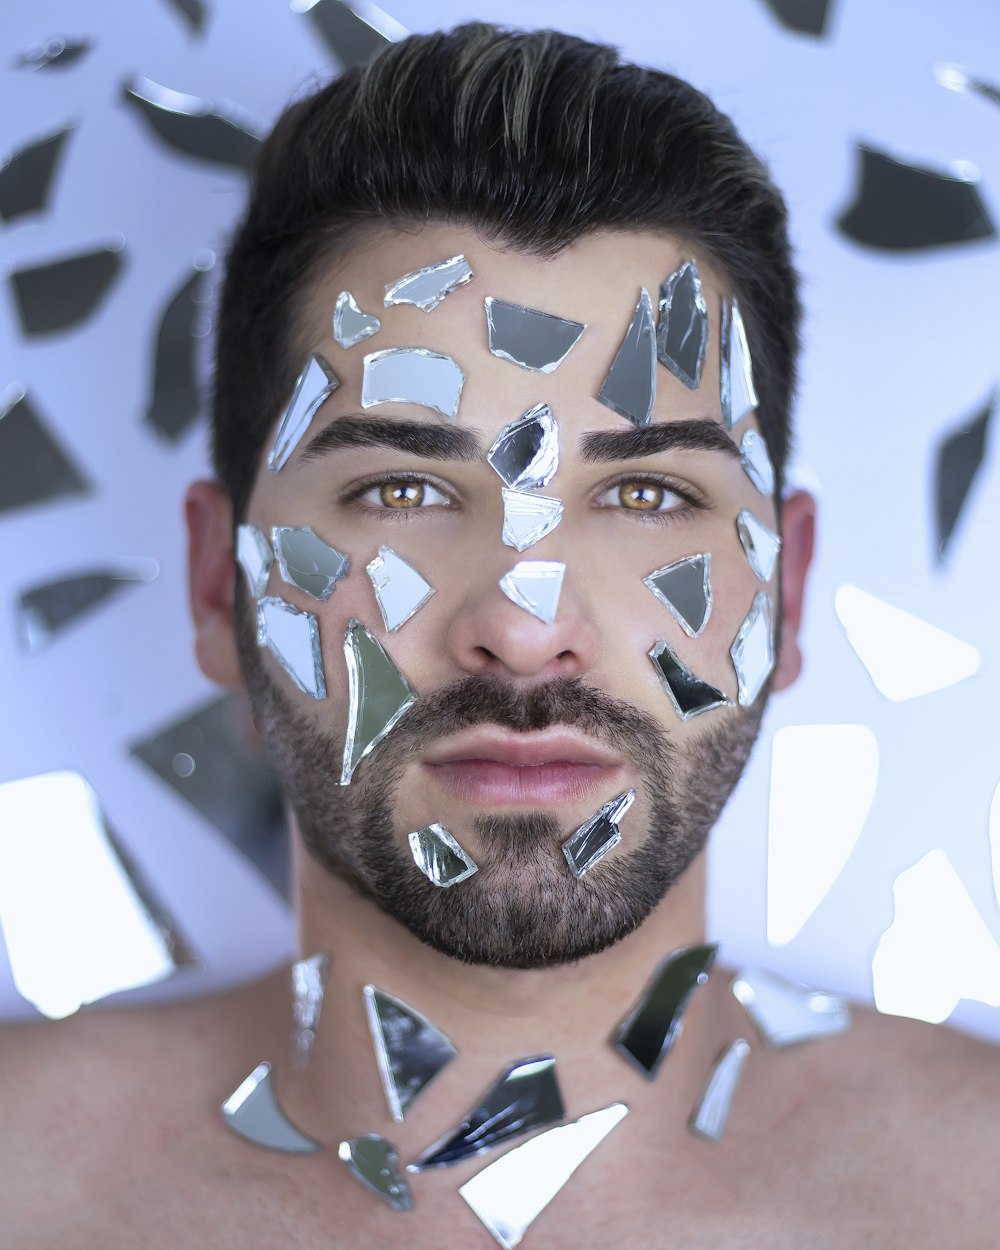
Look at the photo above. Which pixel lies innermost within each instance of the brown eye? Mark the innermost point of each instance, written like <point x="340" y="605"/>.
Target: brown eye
<point x="402" y="494"/>
<point x="643" y="496"/>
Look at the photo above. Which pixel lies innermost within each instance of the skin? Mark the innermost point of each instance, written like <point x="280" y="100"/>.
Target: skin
<point x="881" y="1137"/>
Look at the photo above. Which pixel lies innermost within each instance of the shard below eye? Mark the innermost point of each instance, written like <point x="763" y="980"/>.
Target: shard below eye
<point x="399" y="589"/>
<point x="537" y="341"/>
<point x="439" y="856"/>
<point x="378" y="695"/>
<point x="535" y="586"/>
<point x="685" y="590"/>
<point x="292" y="637"/>
<point x="753" y="650"/>
<point x="760" y="545"/>
<point x="306" y="561"/>
<point x="26" y="177"/>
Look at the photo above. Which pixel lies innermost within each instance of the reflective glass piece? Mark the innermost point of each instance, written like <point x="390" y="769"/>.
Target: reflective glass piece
<point x="535" y="340"/>
<point x="689" y="694"/>
<point x="535" y="585"/>
<point x="528" y="518"/>
<point x="526" y="1097"/>
<point x="43" y="612"/>
<point x="354" y="32"/>
<point x="292" y="637"/>
<point x="685" y="590"/>
<point x="26" y="176"/>
<point x="710" y="1117"/>
<point x="753" y="650"/>
<point x="209" y="130"/>
<point x="379" y="696"/>
<point x="413" y="375"/>
<point x="252" y="1112"/>
<point x="350" y="324"/>
<point x="34" y="468"/>
<point x="525" y="454"/>
<point x="760" y="544"/>
<point x="737" y="392"/>
<point x="785" y="1013"/>
<point x="61" y="294"/>
<point x="654" y="1024"/>
<point x="176" y="399"/>
<point x="509" y="1194"/>
<point x="255" y="556"/>
<point x="630" y="387"/>
<point x="307" y="562"/>
<point x="438" y="855"/>
<point x="308" y="986"/>
<point x="409" y="1049"/>
<point x="375" y="1162"/>
<point x="399" y="588"/>
<point x="53" y="53"/>
<point x="958" y="459"/>
<point x="597" y="835"/>
<point x="756" y="462"/>
<point x="427" y="287"/>
<point x="314" y="385"/>
<point x="682" y="335"/>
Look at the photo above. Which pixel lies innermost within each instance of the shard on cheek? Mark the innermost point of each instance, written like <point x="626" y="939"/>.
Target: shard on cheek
<point x="711" y="1115"/>
<point x="753" y="651"/>
<point x="412" y="375"/>
<point x="682" y="335"/>
<point x="307" y="562"/>
<point x="737" y="392"/>
<point x="379" y="695"/>
<point x="525" y="454"/>
<point x="630" y="387"/>
<point x="308" y="987"/>
<point x="760" y="544"/>
<point x="399" y="588"/>
<point x="292" y="637"/>
<point x="314" y="385"/>
<point x="535" y="585"/>
<point x="785" y="1013"/>
<point x="253" y="551"/>
<point x="441" y="859"/>
<point x="409" y="1049"/>
<point x="654" y="1024"/>
<point x="685" y="590"/>
<point x="350" y="324"/>
<point x="689" y="694"/>
<point x="597" y="836"/>
<point x="427" y="287"/>
<point x="375" y="1162"/>
<point x="252" y="1112"/>
<point x="528" y="518"/>
<point x="537" y="341"/>
<point x="756" y="462"/>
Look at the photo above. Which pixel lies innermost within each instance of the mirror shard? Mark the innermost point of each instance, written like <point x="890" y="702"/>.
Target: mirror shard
<point x="399" y="589"/>
<point x="438" y="855"/>
<point x="292" y="637"/>
<point x="350" y="324"/>
<point x="409" y="1049"/>
<point x="685" y="590"/>
<point x="525" y="454"/>
<point x="26" y="176"/>
<point x="307" y="562"/>
<point x="760" y="544"/>
<point x="537" y="341"/>
<point x="737" y="392"/>
<point x="630" y="387"/>
<point x="756" y="462"/>
<point x="654" y="1024"/>
<point x="710" y="1117"/>
<point x="253" y="552"/>
<point x="528" y="518"/>
<point x="785" y="1013"/>
<point x="412" y="375"/>
<point x="314" y="385"/>
<point x="308" y="987"/>
<point x="535" y="586"/>
<point x="753" y="650"/>
<point x="210" y="130"/>
<point x="375" y="1163"/>
<point x="598" y="835"/>
<point x="252" y="1112"/>
<point x="689" y="694"/>
<point x="427" y="287"/>
<point x="682" y="334"/>
<point x="378" y="696"/>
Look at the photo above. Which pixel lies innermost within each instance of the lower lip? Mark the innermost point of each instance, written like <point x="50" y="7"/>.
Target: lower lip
<point x="489" y="783"/>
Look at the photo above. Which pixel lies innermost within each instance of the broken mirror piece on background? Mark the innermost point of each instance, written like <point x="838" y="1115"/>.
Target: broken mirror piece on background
<point x="399" y="589"/>
<point x="56" y="52"/>
<point x="209" y="130"/>
<point x="34" y="468"/>
<point x="597" y="836"/>
<point x="685" y="589"/>
<point x="535" y="586"/>
<point x="756" y="462"/>
<point x="252" y="1112"/>
<point x="736" y="388"/>
<point x="378" y="696"/>
<point x="26" y="176"/>
<point x="427" y="287"/>
<point x="957" y="78"/>
<point x="375" y="1162"/>
<point x="509" y="1195"/>
<point x="314" y="385"/>
<point x="710" y="1117"/>
<point x="308" y="987"/>
<point x="525" y="1098"/>
<point x="535" y="340"/>
<point x="654" y="1024"/>
<point x="307" y="562"/>
<point x="43" y="612"/>
<point x="350" y="324"/>
<point x="958" y="460"/>
<point x="753" y="650"/>
<point x="784" y="1013"/>
<point x="61" y="294"/>
<point x="805" y="17"/>
<point x="354" y="33"/>
<point x="292" y="637"/>
<point x="92" y="928"/>
<point x="193" y="12"/>
<point x="409" y="1049"/>
<point x="682" y="335"/>
<point x="689" y="694"/>
<point x="525" y="454"/>
<point x="413" y="375"/>
<point x="528" y="518"/>
<point x="177" y="401"/>
<point x="630" y="387"/>
<point x="760" y="545"/>
<point x="438" y="855"/>
<point x="255" y="557"/>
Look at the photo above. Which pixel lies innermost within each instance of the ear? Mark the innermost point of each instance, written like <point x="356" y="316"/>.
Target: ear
<point x="211" y="581"/>
<point x="798" y="530"/>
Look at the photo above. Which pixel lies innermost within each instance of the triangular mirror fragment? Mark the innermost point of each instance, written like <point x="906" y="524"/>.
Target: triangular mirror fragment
<point x="689" y="695"/>
<point x="378" y="695"/>
<point x="409" y="1049"/>
<point x="630" y="387"/>
<point x="785" y="1013"/>
<point x="651" y="1028"/>
<point x="685" y="590"/>
<point x="252" y="1111"/>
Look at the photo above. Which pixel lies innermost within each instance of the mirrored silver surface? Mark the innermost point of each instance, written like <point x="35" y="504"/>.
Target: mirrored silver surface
<point x="760" y="544"/>
<point x="292" y="637"/>
<point x="314" y="385"/>
<point x="413" y="375"/>
<point x="528" y="518"/>
<point x="753" y="650"/>
<point x="597" y="835"/>
<point x="630" y="387"/>
<point x="409" y="1049"/>
<point x="427" y="287"/>
<point x="375" y="1162"/>
<point x="509" y="1194"/>
<point x="399" y="588"/>
<point x="438" y="855"/>
<point x="535" y="340"/>
<point x="689" y="694"/>
<point x="255" y="556"/>
<point x="649" y="1031"/>
<point x="685" y="590"/>
<point x="682" y="335"/>
<point x="63" y="293"/>
<point x="378" y="696"/>
<point x="736" y="378"/>
<point x="785" y="1013"/>
<point x="26" y="176"/>
<point x="307" y="562"/>
<point x="43" y="612"/>
<point x="535" y="585"/>
<point x="35" y="467"/>
<point x="526" y="1097"/>
<point x="525" y="454"/>
<point x="308" y="986"/>
<point x="756" y="462"/>
<point x="210" y="130"/>
<point x="350" y="324"/>
<point x="710" y="1117"/>
<point x="252" y="1112"/>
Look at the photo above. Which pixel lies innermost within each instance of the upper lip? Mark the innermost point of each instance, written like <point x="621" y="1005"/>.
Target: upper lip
<point x="523" y="750"/>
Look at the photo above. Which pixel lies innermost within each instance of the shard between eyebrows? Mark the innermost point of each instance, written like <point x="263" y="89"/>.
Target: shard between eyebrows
<point x="666" y="436"/>
<point x="430" y="441"/>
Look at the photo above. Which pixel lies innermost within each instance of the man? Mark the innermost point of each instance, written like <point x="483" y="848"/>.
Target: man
<point x="505" y="362"/>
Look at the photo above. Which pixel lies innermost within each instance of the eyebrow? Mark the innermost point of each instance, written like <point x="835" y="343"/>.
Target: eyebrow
<point x="664" y="436"/>
<point x="433" y="442"/>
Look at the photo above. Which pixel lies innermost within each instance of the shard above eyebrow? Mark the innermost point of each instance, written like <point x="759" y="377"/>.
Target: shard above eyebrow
<point x="433" y="442"/>
<point x="665" y="436"/>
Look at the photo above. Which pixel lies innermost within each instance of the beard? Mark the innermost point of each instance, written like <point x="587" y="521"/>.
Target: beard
<point x="523" y="908"/>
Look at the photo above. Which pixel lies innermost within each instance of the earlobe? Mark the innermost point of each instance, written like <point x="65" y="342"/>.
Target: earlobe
<point x="211" y="577"/>
<point x="798" y="530"/>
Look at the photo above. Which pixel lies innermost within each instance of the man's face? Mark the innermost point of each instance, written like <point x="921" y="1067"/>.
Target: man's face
<point x="522" y="728"/>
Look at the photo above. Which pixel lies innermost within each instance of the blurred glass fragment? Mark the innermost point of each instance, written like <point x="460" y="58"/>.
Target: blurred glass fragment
<point x="710" y="1117"/>
<point x="56" y="52"/>
<point x="958" y="460"/>
<point x="26" y="176"/>
<point x="59" y="295"/>
<point x="177" y="401"/>
<point x="44" y="611"/>
<point x="956" y="78"/>
<point x="210" y="130"/>
<point x="194" y="13"/>
<point x="355" y="32"/>
<point x="804" y="17"/>
<point x="34" y="468"/>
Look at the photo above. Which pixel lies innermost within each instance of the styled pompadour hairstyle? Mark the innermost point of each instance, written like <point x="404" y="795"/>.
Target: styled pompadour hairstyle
<point x="535" y="140"/>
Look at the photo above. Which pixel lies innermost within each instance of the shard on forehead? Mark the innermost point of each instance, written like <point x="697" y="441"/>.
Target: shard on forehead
<point x="378" y="695"/>
<point x="760" y="544"/>
<point x="598" y="835"/>
<point x="308" y="988"/>
<point x="307" y="562"/>
<point x="528" y="518"/>
<point x="375" y="1163"/>
<point x="535" y="340"/>
<point x="736" y="388"/>
<point x="630" y="387"/>
<point x="685" y="590"/>
<point x="753" y="650"/>
<point x="350" y="324"/>
<point x="399" y="589"/>
<point x="413" y="375"/>
<point x="756" y="462"/>
<point x="711" y="1115"/>
<point x="647" y="1034"/>
<point x="314" y="385"/>
<point x="292" y="637"/>
<point x="410" y="1050"/>
<point x="427" y="287"/>
<point x="525" y="454"/>
<point x="535" y="586"/>
<point x="255" y="556"/>
<point x="252" y="1112"/>
<point x="438" y="855"/>
<point x="682" y="334"/>
<point x="689" y="694"/>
